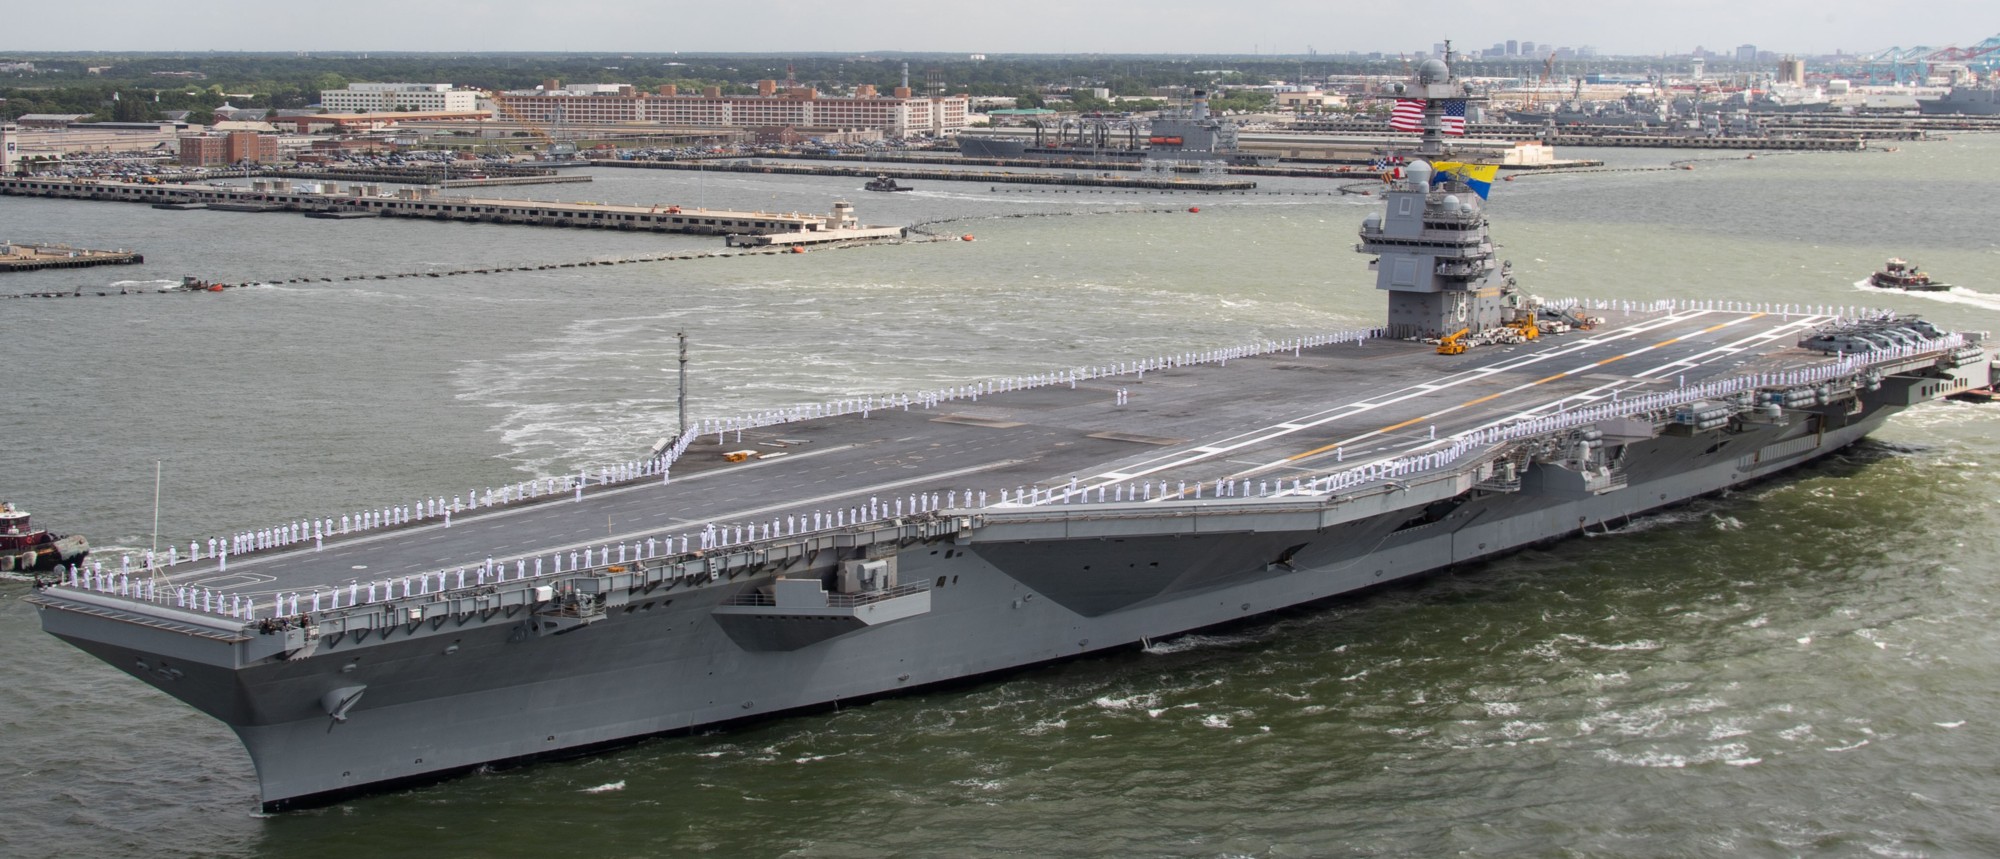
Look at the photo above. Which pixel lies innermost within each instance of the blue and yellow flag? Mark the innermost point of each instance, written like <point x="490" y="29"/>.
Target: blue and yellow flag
<point x="1478" y="176"/>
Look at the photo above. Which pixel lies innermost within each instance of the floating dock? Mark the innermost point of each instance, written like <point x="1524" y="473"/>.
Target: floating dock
<point x="425" y="203"/>
<point x="32" y="257"/>
<point x="842" y="227"/>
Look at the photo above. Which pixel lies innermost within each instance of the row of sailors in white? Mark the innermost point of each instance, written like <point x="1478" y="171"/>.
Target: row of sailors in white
<point x="96" y="578"/>
<point x="1117" y="493"/>
<point x="712" y="536"/>
<point x="318" y="529"/>
<point x="1624" y="406"/>
<point x="1674" y="304"/>
<point x="1621" y="407"/>
<point x="876" y="509"/>
<point x="365" y="520"/>
<point x="93" y="576"/>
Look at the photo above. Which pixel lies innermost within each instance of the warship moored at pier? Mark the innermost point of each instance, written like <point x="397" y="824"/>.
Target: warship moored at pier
<point x="1192" y="134"/>
<point x="817" y="554"/>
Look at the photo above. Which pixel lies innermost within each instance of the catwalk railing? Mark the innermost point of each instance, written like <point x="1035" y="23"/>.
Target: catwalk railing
<point x="148" y="584"/>
<point x="441" y="508"/>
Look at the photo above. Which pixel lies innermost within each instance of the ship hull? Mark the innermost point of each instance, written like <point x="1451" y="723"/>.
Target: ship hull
<point x="437" y="699"/>
<point x="1976" y="103"/>
<point x="44" y="556"/>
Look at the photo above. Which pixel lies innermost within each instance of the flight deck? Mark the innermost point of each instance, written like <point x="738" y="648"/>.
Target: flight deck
<point x="1077" y="436"/>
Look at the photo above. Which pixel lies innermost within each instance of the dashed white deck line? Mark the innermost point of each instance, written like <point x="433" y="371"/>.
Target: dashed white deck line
<point x="1271" y="432"/>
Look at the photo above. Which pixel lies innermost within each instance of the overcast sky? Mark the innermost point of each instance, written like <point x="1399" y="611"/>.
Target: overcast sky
<point x="969" y="26"/>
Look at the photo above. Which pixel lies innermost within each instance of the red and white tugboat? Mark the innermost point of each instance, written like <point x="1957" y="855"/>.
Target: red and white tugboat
<point x="25" y="549"/>
<point x="1901" y="274"/>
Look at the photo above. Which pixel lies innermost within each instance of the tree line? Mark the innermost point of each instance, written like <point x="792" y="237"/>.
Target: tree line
<point x="147" y="84"/>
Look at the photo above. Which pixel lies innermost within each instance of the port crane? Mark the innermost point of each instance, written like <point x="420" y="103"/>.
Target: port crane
<point x="1547" y="79"/>
<point x="550" y="146"/>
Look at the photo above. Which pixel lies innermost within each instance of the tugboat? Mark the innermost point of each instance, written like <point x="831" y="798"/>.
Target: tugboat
<point x="24" y="549"/>
<point x="1900" y="274"/>
<point x="884" y="183"/>
<point x="192" y="284"/>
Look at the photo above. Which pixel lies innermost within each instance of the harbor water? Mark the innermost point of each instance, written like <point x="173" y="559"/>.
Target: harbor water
<point x="1805" y="666"/>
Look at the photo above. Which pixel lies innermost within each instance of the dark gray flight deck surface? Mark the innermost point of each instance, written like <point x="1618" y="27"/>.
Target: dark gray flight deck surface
<point x="1279" y="415"/>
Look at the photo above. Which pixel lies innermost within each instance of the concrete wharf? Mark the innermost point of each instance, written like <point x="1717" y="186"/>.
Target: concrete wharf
<point x="1785" y="135"/>
<point x="32" y="257"/>
<point x="496" y="181"/>
<point x="469" y="177"/>
<point x="943" y="175"/>
<point x="1335" y="168"/>
<point x="1877" y="125"/>
<point x="1627" y="138"/>
<point x="424" y="203"/>
<point x="1589" y="135"/>
<point x="1299" y="167"/>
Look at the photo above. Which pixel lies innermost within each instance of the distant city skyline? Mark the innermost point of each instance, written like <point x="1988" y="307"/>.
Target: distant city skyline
<point x="1025" y="26"/>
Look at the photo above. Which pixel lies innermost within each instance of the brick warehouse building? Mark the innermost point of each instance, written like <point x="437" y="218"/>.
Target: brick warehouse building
<point x="897" y="115"/>
<point x="208" y="150"/>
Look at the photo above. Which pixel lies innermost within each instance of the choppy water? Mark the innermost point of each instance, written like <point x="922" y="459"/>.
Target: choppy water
<point x="1804" y="667"/>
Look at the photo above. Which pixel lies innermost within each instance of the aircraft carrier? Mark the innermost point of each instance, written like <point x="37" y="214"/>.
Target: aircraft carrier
<point x="818" y="554"/>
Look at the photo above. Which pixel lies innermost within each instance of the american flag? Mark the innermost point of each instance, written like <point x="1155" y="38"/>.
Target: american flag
<point x="1454" y="116"/>
<point x="1409" y="116"/>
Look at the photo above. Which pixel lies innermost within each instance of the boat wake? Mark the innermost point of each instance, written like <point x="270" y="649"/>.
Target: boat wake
<point x="1955" y="295"/>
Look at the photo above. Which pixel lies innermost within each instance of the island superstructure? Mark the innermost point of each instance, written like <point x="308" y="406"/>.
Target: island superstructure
<point x="816" y="554"/>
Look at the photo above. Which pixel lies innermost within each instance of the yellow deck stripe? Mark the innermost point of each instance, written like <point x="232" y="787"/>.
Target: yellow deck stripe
<point x="1473" y="402"/>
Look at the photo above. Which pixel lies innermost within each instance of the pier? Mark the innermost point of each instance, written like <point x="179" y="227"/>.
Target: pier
<point x="437" y="175"/>
<point x="33" y="257"/>
<point x="426" y="203"/>
<point x="1295" y="166"/>
<point x="1667" y="141"/>
<point x="943" y="175"/>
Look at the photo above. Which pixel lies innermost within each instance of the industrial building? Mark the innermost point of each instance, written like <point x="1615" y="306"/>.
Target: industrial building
<point x="50" y="120"/>
<point x="235" y="147"/>
<point x="306" y="123"/>
<point x="898" y="115"/>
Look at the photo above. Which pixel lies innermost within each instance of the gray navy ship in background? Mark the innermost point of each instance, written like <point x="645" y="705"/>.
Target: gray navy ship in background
<point x="1969" y="97"/>
<point x="1192" y="134"/>
<point x="818" y="554"/>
